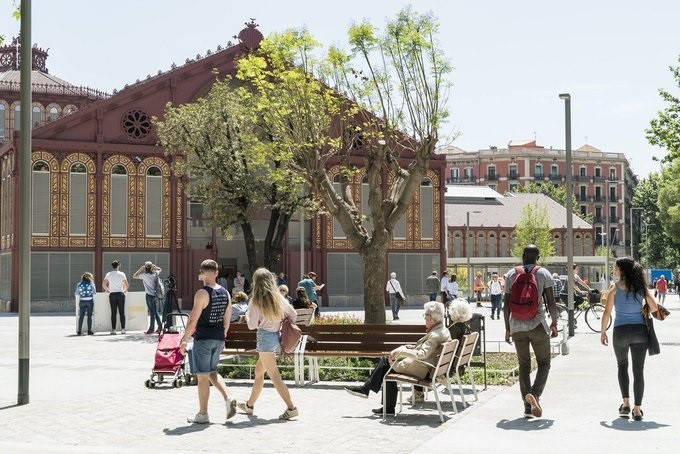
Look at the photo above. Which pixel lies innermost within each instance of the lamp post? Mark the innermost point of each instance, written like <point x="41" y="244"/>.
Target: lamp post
<point x="632" y="236"/>
<point x="570" y="221"/>
<point x="467" y="252"/>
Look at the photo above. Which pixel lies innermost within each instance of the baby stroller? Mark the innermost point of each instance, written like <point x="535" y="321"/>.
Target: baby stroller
<point x="169" y="361"/>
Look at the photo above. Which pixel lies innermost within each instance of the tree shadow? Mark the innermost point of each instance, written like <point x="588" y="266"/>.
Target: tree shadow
<point x="525" y="424"/>
<point x="629" y="425"/>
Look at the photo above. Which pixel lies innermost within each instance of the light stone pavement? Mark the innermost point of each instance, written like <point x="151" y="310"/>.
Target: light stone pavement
<point x="87" y="395"/>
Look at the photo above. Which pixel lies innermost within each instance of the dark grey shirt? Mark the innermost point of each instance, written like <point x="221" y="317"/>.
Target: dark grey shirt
<point x="543" y="279"/>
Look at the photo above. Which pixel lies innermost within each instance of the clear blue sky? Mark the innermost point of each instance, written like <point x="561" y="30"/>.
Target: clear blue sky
<point x="512" y="58"/>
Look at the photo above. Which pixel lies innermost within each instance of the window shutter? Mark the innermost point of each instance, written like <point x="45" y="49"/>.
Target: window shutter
<point x="41" y="203"/>
<point x="61" y="278"/>
<point x="78" y="204"/>
<point x="426" y="212"/>
<point x="154" y="205"/>
<point x="39" y="275"/>
<point x="118" y="210"/>
<point x="6" y="276"/>
<point x="336" y="274"/>
<point x="399" y="232"/>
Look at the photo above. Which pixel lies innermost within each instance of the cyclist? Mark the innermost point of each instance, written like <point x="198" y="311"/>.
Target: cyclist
<point x="581" y="288"/>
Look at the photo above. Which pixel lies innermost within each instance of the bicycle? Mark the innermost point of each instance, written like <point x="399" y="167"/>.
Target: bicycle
<point x="593" y="313"/>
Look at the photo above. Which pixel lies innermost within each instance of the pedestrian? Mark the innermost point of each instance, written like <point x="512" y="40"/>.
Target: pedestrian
<point x="630" y="330"/>
<point x="525" y="324"/>
<point x="209" y="323"/>
<point x="478" y="286"/>
<point x="116" y="284"/>
<point x="149" y="275"/>
<point x="239" y="307"/>
<point x="432" y="286"/>
<point x="496" y="295"/>
<point x="396" y="295"/>
<point x="413" y="360"/>
<point x="281" y="279"/>
<point x="662" y="289"/>
<point x="266" y="311"/>
<point x="283" y="288"/>
<point x="239" y="283"/>
<point x="311" y="287"/>
<point x="452" y="287"/>
<point x="444" y="287"/>
<point x="86" y="290"/>
<point x="301" y="301"/>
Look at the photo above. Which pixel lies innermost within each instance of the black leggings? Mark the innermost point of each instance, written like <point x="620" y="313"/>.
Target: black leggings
<point x="117" y="303"/>
<point x="635" y="338"/>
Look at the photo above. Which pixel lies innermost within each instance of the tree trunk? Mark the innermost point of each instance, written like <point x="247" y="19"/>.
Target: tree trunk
<point x="249" y="239"/>
<point x="274" y="246"/>
<point x="374" y="264"/>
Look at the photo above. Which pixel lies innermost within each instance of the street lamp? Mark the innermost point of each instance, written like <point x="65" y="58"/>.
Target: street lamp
<point x="467" y="252"/>
<point x="632" y="236"/>
<point x="570" y="222"/>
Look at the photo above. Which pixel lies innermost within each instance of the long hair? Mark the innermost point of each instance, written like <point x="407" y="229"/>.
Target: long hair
<point x="633" y="276"/>
<point x="301" y="294"/>
<point x="266" y="296"/>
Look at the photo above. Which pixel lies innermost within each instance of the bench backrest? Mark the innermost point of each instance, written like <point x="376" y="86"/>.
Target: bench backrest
<point x="304" y="316"/>
<point x="361" y="338"/>
<point x="240" y="337"/>
<point x="446" y="358"/>
<point x="468" y="347"/>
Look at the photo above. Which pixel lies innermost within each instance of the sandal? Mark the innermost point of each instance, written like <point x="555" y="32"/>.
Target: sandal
<point x="624" y="411"/>
<point x="638" y="417"/>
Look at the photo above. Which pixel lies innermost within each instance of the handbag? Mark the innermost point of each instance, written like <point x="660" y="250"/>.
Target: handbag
<point x="653" y="346"/>
<point x="289" y="336"/>
<point x="397" y="295"/>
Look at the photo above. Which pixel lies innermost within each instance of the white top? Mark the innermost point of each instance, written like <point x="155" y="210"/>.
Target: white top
<point x="453" y="288"/>
<point x="495" y="287"/>
<point x="149" y="281"/>
<point x="393" y="286"/>
<point x="116" y="279"/>
<point x="444" y="284"/>
<point x="239" y="282"/>
<point x="256" y="320"/>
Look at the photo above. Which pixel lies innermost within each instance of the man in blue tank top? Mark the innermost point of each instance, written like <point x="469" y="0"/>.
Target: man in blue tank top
<point x="210" y="318"/>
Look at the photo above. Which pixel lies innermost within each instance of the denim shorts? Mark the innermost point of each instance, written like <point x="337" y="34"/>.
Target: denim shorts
<point x="268" y="341"/>
<point x="205" y="355"/>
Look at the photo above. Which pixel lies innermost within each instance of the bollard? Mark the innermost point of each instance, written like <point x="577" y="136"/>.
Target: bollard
<point x="565" y="343"/>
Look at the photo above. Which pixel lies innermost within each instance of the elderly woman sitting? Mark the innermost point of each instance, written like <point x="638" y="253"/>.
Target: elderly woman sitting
<point x="407" y="359"/>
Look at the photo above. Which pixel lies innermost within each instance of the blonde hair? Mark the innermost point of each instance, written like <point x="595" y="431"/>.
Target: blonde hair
<point x="240" y="297"/>
<point x="87" y="277"/>
<point x="266" y="296"/>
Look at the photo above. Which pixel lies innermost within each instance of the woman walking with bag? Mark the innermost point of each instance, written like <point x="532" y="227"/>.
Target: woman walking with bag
<point x="628" y="296"/>
<point x="266" y="310"/>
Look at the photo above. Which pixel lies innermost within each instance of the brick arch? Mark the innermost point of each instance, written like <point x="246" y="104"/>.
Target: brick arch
<point x="131" y="168"/>
<point x="142" y="239"/>
<point x="49" y="107"/>
<point x="53" y="163"/>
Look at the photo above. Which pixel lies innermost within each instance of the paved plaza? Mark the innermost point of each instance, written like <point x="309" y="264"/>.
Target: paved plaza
<point x="87" y="395"/>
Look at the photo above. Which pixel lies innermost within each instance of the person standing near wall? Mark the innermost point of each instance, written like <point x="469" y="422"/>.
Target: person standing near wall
<point x="116" y="283"/>
<point x="432" y="286"/>
<point x="86" y="290"/>
<point x="149" y="275"/>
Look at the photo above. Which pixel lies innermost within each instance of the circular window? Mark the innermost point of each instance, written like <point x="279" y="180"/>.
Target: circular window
<point x="136" y="124"/>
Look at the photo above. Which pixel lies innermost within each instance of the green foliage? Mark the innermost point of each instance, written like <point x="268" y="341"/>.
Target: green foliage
<point x="601" y="251"/>
<point x="342" y="319"/>
<point x="534" y="228"/>
<point x="669" y="201"/>
<point x="664" y="130"/>
<point x="558" y="194"/>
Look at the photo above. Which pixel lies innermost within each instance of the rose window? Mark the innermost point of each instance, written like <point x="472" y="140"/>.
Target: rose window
<point x="136" y="124"/>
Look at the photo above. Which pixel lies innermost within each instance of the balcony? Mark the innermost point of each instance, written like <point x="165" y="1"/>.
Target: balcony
<point x="598" y="199"/>
<point x="555" y="177"/>
<point x="613" y="178"/>
<point x="613" y="199"/>
<point x="492" y="177"/>
<point x="461" y="180"/>
<point x="614" y="219"/>
<point x="598" y="220"/>
<point x="513" y="176"/>
<point x="598" y="179"/>
<point x="585" y="178"/>
<point x="584" y="198"/>
<point x="539" y="176"/>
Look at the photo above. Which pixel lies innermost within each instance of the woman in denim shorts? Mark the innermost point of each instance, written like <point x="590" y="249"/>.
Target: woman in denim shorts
<point x="266" y="311"/>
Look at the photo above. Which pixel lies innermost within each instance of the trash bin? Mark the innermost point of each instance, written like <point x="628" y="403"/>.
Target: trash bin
<point x="478" y="325"/>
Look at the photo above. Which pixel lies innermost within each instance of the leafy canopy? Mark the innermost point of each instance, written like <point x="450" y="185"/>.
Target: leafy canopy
<point x="534" y="228"/>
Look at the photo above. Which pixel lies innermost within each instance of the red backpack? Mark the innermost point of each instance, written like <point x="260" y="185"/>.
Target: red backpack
<point x="524" y="297"/>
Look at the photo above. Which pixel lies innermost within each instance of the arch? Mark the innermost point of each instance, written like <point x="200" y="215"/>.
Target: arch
<point x="52" y="112"/>
<point x="78" y="199"/>
<point x="4" y="119"/>
<point x="588" y="244"/>
<point x="48" y="167"/>
<point x="492" y="245"/>
<point x="154" y="217"/>
<point x="480" y="248"/>
<point x="458" y="244"/>
<point x="119" y="202"/>
<point x="426" y="209"/>
<point x="578" y="244"/>
<point x="17" y="117"/>
<point x="69" y="109"/>
<point x="557" y="239"/>
<point x="41" y="166"/>
<point x="504" y="250"/>
<point x="37" y="114"/>
<point x="40" y="198"/>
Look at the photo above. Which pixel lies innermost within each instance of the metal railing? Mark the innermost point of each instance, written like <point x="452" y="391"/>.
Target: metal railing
<point x="492" y="176"/>
<point x="54" y="89"/>
<point x="555" y="177"/>
<point x="513" y="176"/>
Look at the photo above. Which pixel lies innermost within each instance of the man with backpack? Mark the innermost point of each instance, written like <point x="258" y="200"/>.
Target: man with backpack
<point x="525" y="324"/>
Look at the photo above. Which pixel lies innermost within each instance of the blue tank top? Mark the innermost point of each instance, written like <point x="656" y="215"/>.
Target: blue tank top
<point x="628" y="307"/>
<point x="211" y="322"/>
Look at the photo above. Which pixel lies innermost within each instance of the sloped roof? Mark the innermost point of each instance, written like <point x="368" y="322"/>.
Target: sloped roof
<point x="37" y="78"/>
<point x="470" y="192"/>
<point x="588" y="149"/>
<point x="506" y="211"/>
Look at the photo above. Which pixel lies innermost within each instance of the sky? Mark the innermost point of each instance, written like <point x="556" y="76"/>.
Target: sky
<point x="511" y="58"/>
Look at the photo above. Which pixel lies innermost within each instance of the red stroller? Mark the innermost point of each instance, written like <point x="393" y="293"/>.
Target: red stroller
<point x="169" y="361"/>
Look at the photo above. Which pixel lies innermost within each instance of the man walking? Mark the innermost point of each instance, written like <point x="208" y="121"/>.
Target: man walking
<point x="496" y="295"/>
<point x="210" y="319"/>
<point x="525" y="323"/>
<point x="444" y="287"/>
<point x="432" y="285"/>
<point x="116" y="283"/>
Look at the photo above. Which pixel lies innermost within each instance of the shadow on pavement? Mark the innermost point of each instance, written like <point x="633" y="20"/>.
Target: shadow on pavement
<point x="254" y="421"/>
<point x="133" y="337"/>
<point x="183" y="430"/>
<point x="629" y="425"/>
<point x="525" y="424"/>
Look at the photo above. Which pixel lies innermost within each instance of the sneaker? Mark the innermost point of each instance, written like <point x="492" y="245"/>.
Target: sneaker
<point x="527" y="411"/>
<point x="78" y="333"/>
<point x="90" y="333"/>
<point x="113" y="332"/>
<point x="122" y="331"/>
<point x="243" y="406"/>
<point x="491" y="316"/>
<point x="289" y="413"/>
<point x="231" y="407"/>
<point x="379" y="411"/>
<point x="199" y="419"/>
<point x="536" y="409"/>
<point x="358" y="391"/>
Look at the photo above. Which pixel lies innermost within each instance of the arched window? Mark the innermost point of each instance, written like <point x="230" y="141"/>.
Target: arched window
<point x="505" y="245"/>
<point x="40" y="199"/>
<point x="118" y="210"/>
<point x="578" y="244"/>
<point x="491" y="245"/>
<point x="17" y="117"/>
<point x="68" y="110"/>
<point x="78" y="200"/>
<point x="154" y="201"/>
<point x="2" y="121"/>
<point x="36" y="116"/>
<point x="426" y="209"/>
<point x="53" y="114"/>
<point x="558" y="244"/>
<point x="481" y="245"/>
<point x="338" y="233"/>
<point x="588" y="246"/>
<point x="365" y="209"/>
<point x="458" y="245"/>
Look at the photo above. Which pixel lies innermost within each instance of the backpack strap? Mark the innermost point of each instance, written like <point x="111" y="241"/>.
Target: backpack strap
<point x="519" y="270"/>
<point x="534" y="269"/>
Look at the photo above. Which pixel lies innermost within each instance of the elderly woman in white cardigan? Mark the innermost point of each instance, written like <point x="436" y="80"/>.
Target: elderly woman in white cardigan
<point x="407" y="358"/>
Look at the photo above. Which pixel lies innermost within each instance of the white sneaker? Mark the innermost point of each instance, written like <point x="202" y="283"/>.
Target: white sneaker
<point x="243" y="406"/>
<point x="288" y="414"/>
<point x="231" y="407"/>
<point x="122" y="331"/>
<point x="113" y="332"/>
<point x="199" y="419"/>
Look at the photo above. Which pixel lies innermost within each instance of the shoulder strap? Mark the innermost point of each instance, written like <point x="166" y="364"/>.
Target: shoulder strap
<point x="519" y="270"/>
<point x="534" y="269"/>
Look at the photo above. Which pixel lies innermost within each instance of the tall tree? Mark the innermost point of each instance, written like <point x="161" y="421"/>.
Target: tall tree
<point x="534" y="228"/>
<point x="558" y="194"/>
<point x="380" y="106"/>
<point x="669" y="201"/>
<point x="235" y="176"/>
<point x="664" y="130"/>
